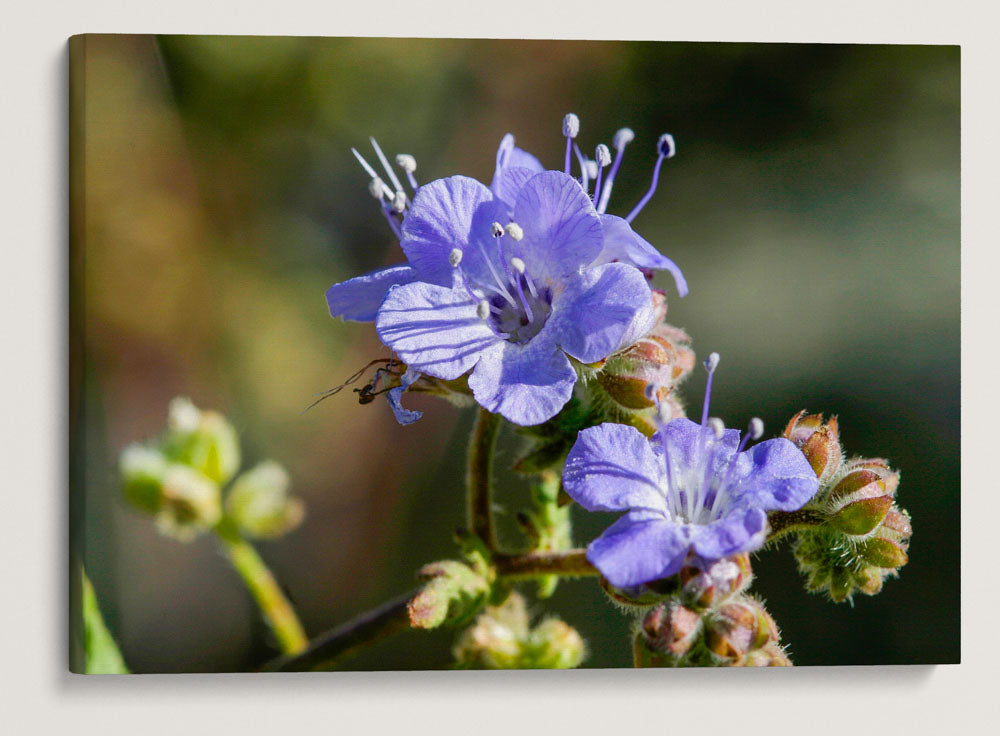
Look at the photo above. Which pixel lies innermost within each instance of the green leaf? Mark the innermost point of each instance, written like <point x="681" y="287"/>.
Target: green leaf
<point x="100" y="651"/>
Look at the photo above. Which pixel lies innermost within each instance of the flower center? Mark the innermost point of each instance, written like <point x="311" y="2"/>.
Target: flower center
<point x="521" y="321"/>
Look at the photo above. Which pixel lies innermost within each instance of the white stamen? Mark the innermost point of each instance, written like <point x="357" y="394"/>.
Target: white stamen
<point x="496" y="229"/>
<point x="364" y="164"/>
<point x="455" y="257"/>
<point x="406" y="162"/>
<point x="756" y="428"/>
<point x="385" y="165"/>
<point x="515" y="232"/>
<point x="377" y="188"/>
<point x="483" y="309"/>
<point x="517" y="264"/>
<point x="717" y="426"/>
<point x="591" y="169"/>
<point x="712" y="362"/>
<point x="571" y="125"/>
<point x="622" y="138"/>
<point x="399" y="202"/>
<point x="603" y="155"/>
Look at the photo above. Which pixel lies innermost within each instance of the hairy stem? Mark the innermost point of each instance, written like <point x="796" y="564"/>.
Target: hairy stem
<point x="567" y="563"/>
<point x="788" y="522"/>
<point x="277" y="610"/>
<point x="479" y="481"/>
<point x="326" y="650"/>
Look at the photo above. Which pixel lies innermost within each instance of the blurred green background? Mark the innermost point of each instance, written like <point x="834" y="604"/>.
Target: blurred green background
<point x="813" y="206"/>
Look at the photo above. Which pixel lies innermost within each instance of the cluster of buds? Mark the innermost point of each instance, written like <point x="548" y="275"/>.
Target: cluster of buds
<point x="503" y="638"/>
<point x="453" y="593"/>
<point x="178" y="478"/>
<point x="709" y="622"/>
<point x="661" y="359"/>
<point x="851" y="536"/>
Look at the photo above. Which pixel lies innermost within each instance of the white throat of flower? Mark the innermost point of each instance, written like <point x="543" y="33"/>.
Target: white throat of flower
<point x="701" y="492"/>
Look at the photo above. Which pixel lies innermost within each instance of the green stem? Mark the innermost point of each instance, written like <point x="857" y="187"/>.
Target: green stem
<point x="567" y="563"/>
<point x="481" y="448"/>
<point x="788" y="522"/>
<point x="277" y="610"/>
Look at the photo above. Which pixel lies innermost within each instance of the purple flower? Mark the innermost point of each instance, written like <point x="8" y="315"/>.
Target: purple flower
<point x="510" y="303"/>
<point x="693" y="492"/>
<point x="507" y="281"/>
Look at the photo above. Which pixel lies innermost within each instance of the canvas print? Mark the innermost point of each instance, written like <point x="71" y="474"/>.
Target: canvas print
<point x="402" y="354"/>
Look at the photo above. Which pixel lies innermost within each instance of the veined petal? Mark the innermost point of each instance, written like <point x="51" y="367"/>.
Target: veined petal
<point x="599" y="308"/>
<point x="562" y="230"/>
<point x="775" y="476"/>
<point x="395" y="398"/>
<point x="640" y="547"/>
<point x="623" y="244"/>
<point x="741" y="530"/>
<point x="433" y="329"/>
<point x="612" y="468"/>
<point x="509" y="183"/>
<point x="686" y="439"/>
<point x="447" y="214"/>
<point x="358" y="299"/>
<point x="527" y="384"/>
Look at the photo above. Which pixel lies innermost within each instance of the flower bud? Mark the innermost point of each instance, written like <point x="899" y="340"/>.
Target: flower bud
<point x="203" y="440"/>
<point x="452" y="594"/>
<point x="770" y="655"/>
<point x="819" y="442"/>
<point x="142" y="470"/>
<point x="554" y="645"/>
<point x="259" y="502"/>
<point x="738" y="628"/>
<point x="705" y="588"/>
<point x="670" y="629"/>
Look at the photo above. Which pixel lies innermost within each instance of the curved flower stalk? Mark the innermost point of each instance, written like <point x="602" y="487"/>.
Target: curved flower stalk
<point x="507" y="283"/>
<point x="692" y="493"/>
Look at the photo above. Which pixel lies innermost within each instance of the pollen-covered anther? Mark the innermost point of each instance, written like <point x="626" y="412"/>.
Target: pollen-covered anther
<point x="665" y="146"/>
<point x="717" y="426"/>
<point x="515" y="232"/>
<point x="756" y="429"/>
<point x="517" y="264"/>
<point x="571" y="125"/>
<point x="483" y="309"/>
<point x="496" y="229"/>
<point x="712" y="362"/>
<point x="592" y="168"/>
<point x="455" y="257"/>
<point x="399" y="202"/>
<point x="603" y="155"/>
<point x="376" y="187"/>
<point x="623" y="136"/>
<point x="406" y="162"/>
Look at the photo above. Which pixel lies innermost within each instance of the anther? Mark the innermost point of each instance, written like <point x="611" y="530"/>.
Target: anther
<point x="515" y="232"/>
<point x="622" y="138"/>
<point x="496" y="229"/>
<point x="517" y="264"/>
<point x="483" y="309"/>
<point x="603" y="155"/>
<point x="399" y="202"/>
<point x="455" y="257"/>
<point x="756" y="429"/>
<point x="591" y="169"/>
<point x="406" y="162"/>
<point x="571" y="125"/>
<point x="665" y="149"/>
<point x="712" y="362"/>
<point x="665" y="146"/>
<point x="377" y="188"/>
<point x="717" y="426"/>
<point x="385" y="165"/>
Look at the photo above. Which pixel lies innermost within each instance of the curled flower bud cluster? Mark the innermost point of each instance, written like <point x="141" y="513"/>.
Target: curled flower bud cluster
<point x="503" y="638"/>
<point x="710" y="621"/>
<point x="851" y="535"/>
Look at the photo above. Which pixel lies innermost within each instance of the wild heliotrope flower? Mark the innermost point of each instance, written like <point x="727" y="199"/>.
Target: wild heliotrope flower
<point x="693" y="492"/>
<point x="505" y="282"/>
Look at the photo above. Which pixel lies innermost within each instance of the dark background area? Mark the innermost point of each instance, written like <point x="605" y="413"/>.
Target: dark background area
<point x="813" y="206"/>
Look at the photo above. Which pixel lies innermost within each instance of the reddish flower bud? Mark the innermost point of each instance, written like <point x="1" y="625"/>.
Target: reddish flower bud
<point x="738" y="628"/>
<point x="819" y="442"/>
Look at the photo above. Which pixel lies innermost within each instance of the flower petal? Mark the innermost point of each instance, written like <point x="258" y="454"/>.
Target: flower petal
<point x="599" y="309"/>
<point x="562" y="230"/>
<point x="623" y="244"/>
<point x="446" y="214"/>
<point x="395" y="399"/>
<point x="774" y="476"/>
<point x="433" y="329"/>
<point x="358" y="299"/>
<point x="741" y="530"/>
<point x="510" y="156"/>
<point x="527" y="384"/>
<point x="509" y="184"/>
<point x="687" y="439"/>
<point x="612" y="468"/>
<point x="639" y="548"/>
